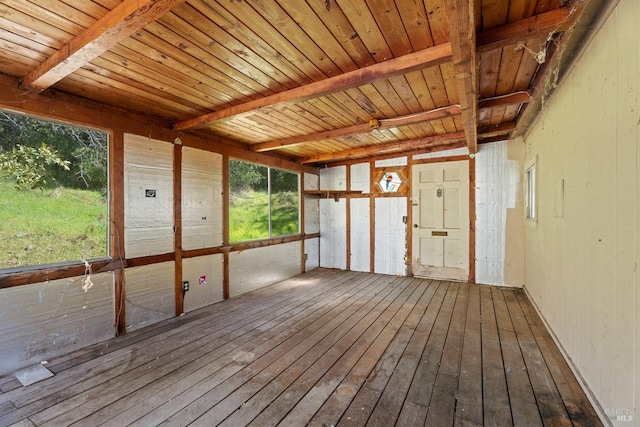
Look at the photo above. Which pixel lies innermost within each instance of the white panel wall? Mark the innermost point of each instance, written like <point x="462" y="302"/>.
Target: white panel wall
<point x="311" y="181"/>
<point x="361" y="178"/>
<point x="333" y="178"/>
<point x="446" y="153"/>
<point x="390" y="239"/>
<point x="360" y="235"/>
<point x="333" y="220"/>
<point x="150" y="294"/>
<point x="312" y="249"/>
<point x="201" y="199"/>
<point x="398" y="161"/>
<point x="333" y="233"/>
<point x="148" y="221"/>
<point x="311" y="222"/>
<point x="311" y="205"/>
<point x="582" y="267"/>
<point x="48" y="319"/>
<point x="255" y="268"/>
<point x="207" y="291"/>
<point x="499" y="214"/>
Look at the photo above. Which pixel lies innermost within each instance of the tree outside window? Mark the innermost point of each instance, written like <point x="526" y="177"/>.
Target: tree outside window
<point x="53" y="192"/>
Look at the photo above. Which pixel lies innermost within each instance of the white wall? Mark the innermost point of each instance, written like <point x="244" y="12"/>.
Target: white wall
<point x="390" y="235"/>
<point x="201" y="199"/>
<point x="203" y="292"/>
<point x="255" y="268"/>
<point x="44" y="320"/>
<point x="333" y="219"/>
<point x="582" y="255"/>
<point x="148" y="221"/>
<point x="499" y="214"/>
<point x="333" y="233"/>
<point x="389" y="230"/>
<point x="311" y="222"/>
<point x="360" y="256"/>
<point x="150" y="294"/>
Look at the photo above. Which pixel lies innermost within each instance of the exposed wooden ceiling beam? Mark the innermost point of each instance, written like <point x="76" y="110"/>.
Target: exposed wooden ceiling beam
<point x="448" y="141"/>
<point x="462" y="35"/>
<point x="382" y="148"/>
<point x="536" y="26"/>
<point x="432" y="56"/>
<point x="586" y="18"/>
<point x="127" y="18"/>
<point x="500" y="130"/>
<point x="520" y="97"/>
<point x="541" y="24"/>
<point x="438" y="113"/>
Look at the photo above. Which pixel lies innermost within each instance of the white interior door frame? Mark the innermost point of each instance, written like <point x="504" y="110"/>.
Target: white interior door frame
<point x="441" y="220"/>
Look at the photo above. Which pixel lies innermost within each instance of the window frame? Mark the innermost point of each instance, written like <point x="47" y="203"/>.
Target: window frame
<point x="269" y="202"/>
<point x="531" y="193"/>
<point x="107" y="256"/>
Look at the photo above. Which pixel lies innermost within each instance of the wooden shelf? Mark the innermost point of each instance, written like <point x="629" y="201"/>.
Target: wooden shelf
<point x="335" y="194"/>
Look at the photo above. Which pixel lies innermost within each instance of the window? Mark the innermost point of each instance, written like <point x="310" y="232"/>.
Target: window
<point x="53" y="192"/>
<point x="390" y="180"/>
<point x="263" y="202"/>
<point x="530" y="182"/>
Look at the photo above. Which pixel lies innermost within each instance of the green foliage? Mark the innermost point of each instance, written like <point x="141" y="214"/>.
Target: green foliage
<point x="44" y="227"/>
<point x="85" y="150"/>
<point x="249" y="215"/>
<point x="31" y="167"/>
<point x="284" y="213"/>
<point x="245" y="176"/>
<point x="249" y="201"/>
<point x="283" y="181"/>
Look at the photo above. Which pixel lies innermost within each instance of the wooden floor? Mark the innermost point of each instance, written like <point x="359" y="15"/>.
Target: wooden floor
<point x="325" y="348"/>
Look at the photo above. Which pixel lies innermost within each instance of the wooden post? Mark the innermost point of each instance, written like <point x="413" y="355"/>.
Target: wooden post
<point x="303" y="256"/>
<point x="225" y="224"/>
<point x="472" y="220"/>
<point x="409" y="224"/>
<point x="348" y="218"/>
<point x="372" y="219"/>
<point x="116" y="230"/>
<point x="177" y="221"/>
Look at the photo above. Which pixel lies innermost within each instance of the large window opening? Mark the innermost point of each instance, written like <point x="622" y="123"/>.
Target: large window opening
<point x="263" y="202"/>
<point x="53" y="192"/>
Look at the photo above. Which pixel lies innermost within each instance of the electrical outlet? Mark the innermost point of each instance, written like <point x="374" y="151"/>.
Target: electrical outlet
<point x="185" y="286"/>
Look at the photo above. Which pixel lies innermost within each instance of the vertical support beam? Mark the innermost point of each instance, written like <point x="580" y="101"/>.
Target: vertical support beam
<point x="225" y="225"/>
<point x="461" y="15"/>
<point x="116" y="228"/>
<point x="472" y="219"/>
<point x="303" y="256"/>
<point x="409" y="254"/>
<point x="177" y="221"/>
<point x="372" y="219"/>
<point x="348" y="219"/>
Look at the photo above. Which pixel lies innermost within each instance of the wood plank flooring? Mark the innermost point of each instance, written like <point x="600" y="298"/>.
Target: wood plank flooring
<point x="327" y="348"/>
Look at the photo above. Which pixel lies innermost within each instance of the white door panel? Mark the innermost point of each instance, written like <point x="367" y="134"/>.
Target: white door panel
<point x="440" y="214"/>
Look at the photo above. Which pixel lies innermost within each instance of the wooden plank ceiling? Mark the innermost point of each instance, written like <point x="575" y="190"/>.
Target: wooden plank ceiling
<point x="313" y="80"/>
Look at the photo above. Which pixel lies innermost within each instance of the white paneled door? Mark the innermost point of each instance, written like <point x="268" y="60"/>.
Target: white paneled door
<point x="440" y="213"/>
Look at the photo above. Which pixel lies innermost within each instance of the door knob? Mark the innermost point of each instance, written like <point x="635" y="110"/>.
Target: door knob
<point x="415" y="225"/>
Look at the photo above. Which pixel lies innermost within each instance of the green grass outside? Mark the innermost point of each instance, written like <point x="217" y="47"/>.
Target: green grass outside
<point x="249" y="215"/>
<point x="50" y="226"/>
